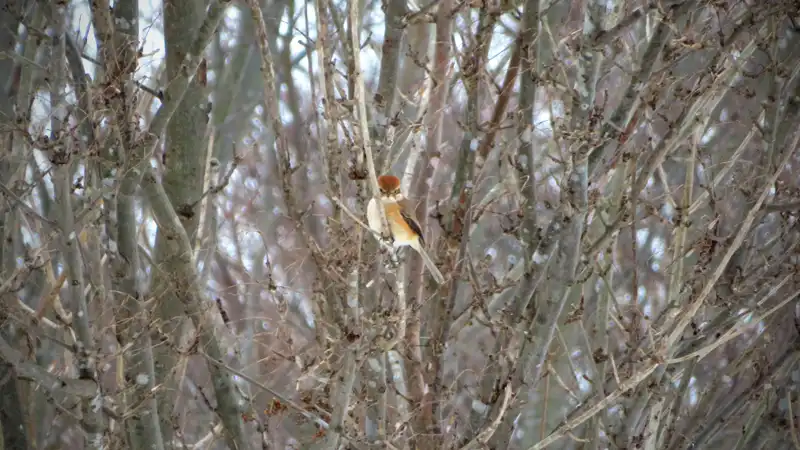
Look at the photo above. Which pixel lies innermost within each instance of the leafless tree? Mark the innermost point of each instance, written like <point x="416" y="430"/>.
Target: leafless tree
<point x="610" y="188"/>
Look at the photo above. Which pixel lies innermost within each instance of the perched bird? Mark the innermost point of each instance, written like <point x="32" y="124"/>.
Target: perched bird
<point x="402" y="223"/>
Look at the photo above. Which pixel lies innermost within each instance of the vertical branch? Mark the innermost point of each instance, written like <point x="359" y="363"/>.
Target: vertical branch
<point x="332" y="152"/>
<point x="375" y="377"/>
<point x="623" y="114"/>
<point x="382" y="132"/>
<point x="424" y="423"/>
<point x="529" y="68"/>
<point x="572" y="211"/>
<point x="411" y="87"/>
<point x="185" y="279"/>
<point x="387" y="83"/>
<point x="144" y="429"/>
<point x="575" y="200"/>
<point x="178" y="86"/>
<point x="395" y="328"/>
<point x="187" y="155"/>
<point x="342" y="394"/>
<point x="363" y="295"/>
<point x="459" y="222"/>
<point x="61" y="157"/>
<point x="284" y="167"/>
<point x="185" y="160"/>
<point x="14" y="432"/>
<point x="392" y="329"/>
<point x="103" y="28"/>
<point x="189" y="291"/>
<point x="473" y="69"/>
<point x="462" y="195"/>
<point x="462" y="198"/>
<point x="530" y="59"/>
<point x="346" y="376"/>
<point x="642" y="397"/>
<point x="361" y="105"/>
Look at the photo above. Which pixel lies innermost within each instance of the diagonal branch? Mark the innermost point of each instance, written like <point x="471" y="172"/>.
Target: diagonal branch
<point x="189" y="291"/>
<point x="82" y="388"/>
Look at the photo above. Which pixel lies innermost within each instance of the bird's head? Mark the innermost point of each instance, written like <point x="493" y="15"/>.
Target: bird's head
<point x="389" y="185"/>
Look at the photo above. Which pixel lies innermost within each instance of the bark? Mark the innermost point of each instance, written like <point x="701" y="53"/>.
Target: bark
<point x="13" y="426"/>
<point x="185" y="160"/>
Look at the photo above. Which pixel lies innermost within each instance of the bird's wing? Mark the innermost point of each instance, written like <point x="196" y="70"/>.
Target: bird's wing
<point x="407" y="212"/>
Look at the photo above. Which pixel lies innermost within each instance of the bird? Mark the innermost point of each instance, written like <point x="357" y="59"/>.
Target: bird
<point x="403" y="224"/>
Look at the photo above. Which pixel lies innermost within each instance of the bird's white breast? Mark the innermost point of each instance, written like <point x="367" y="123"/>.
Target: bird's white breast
<point x="374" y="219"/>
<point x="374" y="216"/>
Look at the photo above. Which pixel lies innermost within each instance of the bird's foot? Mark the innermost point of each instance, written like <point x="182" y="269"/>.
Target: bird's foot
<point x="393" y="261"/>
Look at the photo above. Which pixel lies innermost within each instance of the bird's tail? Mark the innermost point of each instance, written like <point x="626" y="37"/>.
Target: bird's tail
<point x="429" y="264"/>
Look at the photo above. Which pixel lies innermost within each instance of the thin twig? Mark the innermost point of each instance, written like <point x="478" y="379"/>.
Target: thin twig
<point x="361" y="107"/>
<point x="284" y="399"/>
<point x="217" y="188"/>
<point x="563" y="429"/>
<point x="424" y="14"/>
<point x="734" y="332"/>
<point x="25" y="207"/>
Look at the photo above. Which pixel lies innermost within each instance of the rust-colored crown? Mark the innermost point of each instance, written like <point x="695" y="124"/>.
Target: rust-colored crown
<point x="388" y="183"/>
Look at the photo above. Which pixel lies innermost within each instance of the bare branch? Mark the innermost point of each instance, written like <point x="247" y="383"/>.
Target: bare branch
<point x="82" y="388"/>
<point x="189" y="292"/>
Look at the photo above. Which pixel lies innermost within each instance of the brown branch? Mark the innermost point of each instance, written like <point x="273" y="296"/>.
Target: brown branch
<point x="425" y="423"/>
